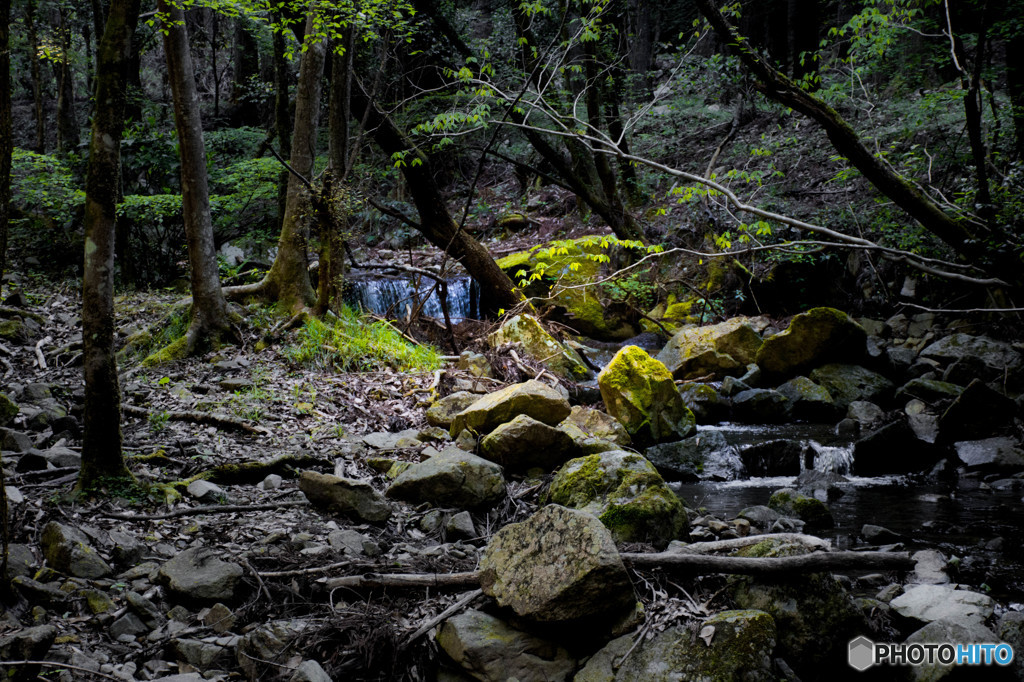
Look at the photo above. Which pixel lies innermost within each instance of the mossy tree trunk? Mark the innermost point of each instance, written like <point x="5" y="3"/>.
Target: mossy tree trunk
<point x="6" y="142"/>
<point x="288" y="280"/>
<point x="209" y="310"/>
<point x="101" y="444"/>
<point x="436" y="223"/>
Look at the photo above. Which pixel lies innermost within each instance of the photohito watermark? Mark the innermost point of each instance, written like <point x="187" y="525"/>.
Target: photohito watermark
<point x="864" y="653"/>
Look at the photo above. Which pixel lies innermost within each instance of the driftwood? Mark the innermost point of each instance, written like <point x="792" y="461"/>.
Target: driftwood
<point x="221" y="421"/>
<point x="810" y="541"/>
<point x="702" y="563"/>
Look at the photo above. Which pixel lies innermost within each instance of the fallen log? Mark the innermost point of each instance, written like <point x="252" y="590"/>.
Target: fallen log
<point x="221" y="421"/>
<point x="468" y="579"/>
<point x="803" y="563"/>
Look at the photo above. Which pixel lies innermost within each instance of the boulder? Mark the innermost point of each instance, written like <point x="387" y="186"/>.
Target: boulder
<point x="847" y="383"/>
<point x="68" y="550"/>
<point x="532" y="398"/>
<point x="476" y="364"/>
<point x="929" y="391"/>
<point x="541" y="346"/>
<point x="29" y="644"/>
<point x="524" y="443"/>
<point x="344" y="496"/>
<point x="706" y="456"/>
<point x="490" y="649"/>
<point x="761" y="406"/>
<point x="558" y="565"/>
<point x="778" y="457"/>
<point x="731" y="645"/>
<point x="995" y="454"/>
<point x="998" y="357"/>
<point x="927" y="603"/>
<point x="716" y="350"/>
<point x="200" y="575"/>
<point x="978" y="412"/>
<point x="443" y="411"/>
<point x="808" y="401"/>
<point x="597" y="424"/>
<point x="867" y="414"/>
<point x="943" y="632"/>
<point x="451" y="478"/>
<point x="260" y="652"/>
<point x="1011" y="631"/>
<point x="639" y="391"/>
<point x="387" y="440"/>
<point x="8" y="410"/>
<point x="810" y="510"/>
<point x="14" y="441"/>
<point x="893" y="449"/>
<point x="625" y="492"/>
<point x="707" y="405"/>
<point x="878" y="535"/>
<point x="813" y="338"/>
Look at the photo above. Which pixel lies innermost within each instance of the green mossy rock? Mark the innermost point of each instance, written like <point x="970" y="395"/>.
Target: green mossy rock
<point x="819" y="336"/>
<point x="443" y="411"/>
<point x="14" y="331"/>
<point x="532" y="398"/>
<point x="8" y="410"/>
<point x="929" y="391"/>
<point x="810" y="510"/>
<point x="541" y="346"/>
<point x="524" y="443"/>
<point x="705" y="402"/>
<point x="718" y="350"/>
<point x="639" y="392"/>
<point x="625" y="492"/>
<point x="850" y="383"/>
<point x="451" y="478"/>
<point x="808" y="400"/>
<point x="67" y="550"/>
<point x="674" y="314"/>
<point x="738" y="646"/>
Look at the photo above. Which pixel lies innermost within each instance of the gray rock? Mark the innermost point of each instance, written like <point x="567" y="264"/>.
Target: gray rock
<point x="8" y="410"/>
<point x="821" y="485"/>
<point x="14" y="441"/>
<point x="524" y="443"/>
<point x="733" y="385"/>
<point x="818" y="336"/>
<point x="199" y="574"/>
<point x="808" y="400"/>
<point x="219" y="618"/>
<point x="475" y="363"/>
<point x="979" y="412"/>
<point x="597" y="424"/>
<point x="271" y="482"/>
<point x="309" y="671"/>
<point x="1011" y="631"/>
<point x="602" y="666"/>
<point x="235" y="384"/>
<point x="867" y="413"/>
<point x="893" y="449"/>
<point x="731" y="645"/>
<point x="20" y="560"/>
<point x="847" y="383"/>
<point x="928" y="391"/>
<point x="206" y="492"/>
<point x="760" y="516"/>
<point x="878" y="535"/>
<point x="182" y="677"/>
<point x="761" y="406"/>
<point x="32" y="460"/>
<point x="348" y="541"/>
<point x="706" y="456"/>
<point x="996" y="355"/>
<point x="30" y="644"/>
<point x="270" y="643"/>
<point x="996" y="454"/>
<point x="810" y="510"/>
<point x="344" y="496"/>
<point x="707" y="404"/>
<point x="558" y="565"/>
<point x="941" y="632"/>
<point x="460" y="526"/>
<point x="451" y="478"/>
<point x="719" y="349"/>
<point x="922" y="421"/>
<point x="532" y="398"/>
<point x="145" y="609"/>
<point x="443" y="411"/>
<point x="68" y="550"/>
<point x="930" y="567"/>
<point x="928" y="603"/>
<point x="48" y="594"/>
<point x="201" y="655"/>
<point x="385" y="440"/>
<point x="489" y="649"/>
<point x="779" y="457"/>
<point x="129" y="626"/>
<point x="625" y="492"/>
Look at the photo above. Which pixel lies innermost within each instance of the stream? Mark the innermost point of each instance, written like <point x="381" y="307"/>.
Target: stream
<point x="975" y="520"/>
<point x="391" y="297"/>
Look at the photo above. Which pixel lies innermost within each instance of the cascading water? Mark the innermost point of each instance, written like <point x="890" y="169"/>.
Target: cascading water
<point x="835" y="459"/>
<point x="392" y="297"/>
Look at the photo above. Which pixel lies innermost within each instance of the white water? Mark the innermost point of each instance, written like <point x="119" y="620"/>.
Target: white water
<point x="396" y="297"/>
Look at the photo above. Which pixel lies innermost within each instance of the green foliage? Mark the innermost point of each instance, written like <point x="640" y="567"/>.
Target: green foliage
<point x="158" y="421"/>
<point x="352" y="344"/>
<point x="44" y="186"/>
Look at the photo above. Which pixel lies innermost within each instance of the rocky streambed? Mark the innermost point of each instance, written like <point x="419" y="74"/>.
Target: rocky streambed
<point x="539" y="530"/>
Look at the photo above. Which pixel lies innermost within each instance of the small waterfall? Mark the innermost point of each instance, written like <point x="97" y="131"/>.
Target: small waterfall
<point x="387" y="296"/>
<point x="836" y="459"/>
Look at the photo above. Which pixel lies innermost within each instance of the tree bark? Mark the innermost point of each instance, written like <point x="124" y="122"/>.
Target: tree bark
<point x="101" y="444"/>
<point x="968" y="238"/>
<point x="436" y="223"/>
<point x="67" y="124"/>
<point x="209" y="309"/>
<point x="282" y="117"/>
<point x="246" y="62"/>
<point x="37" y="76"/>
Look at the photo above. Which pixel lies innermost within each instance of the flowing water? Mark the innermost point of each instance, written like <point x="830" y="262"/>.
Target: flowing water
<point x="395" y="297"/>
<point x="980" y="521"/>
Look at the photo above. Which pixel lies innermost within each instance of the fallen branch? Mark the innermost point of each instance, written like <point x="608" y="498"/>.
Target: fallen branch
<point x="40" y="358"/>
<point x="305" y="571"/>
<point x="804" y="563"/>
<point x="469" y="579"/>
<point x="444" y="615"/>
<point x="736" y="543"/>
<point x="221" y="421"/>
<point x="210" y="509"/>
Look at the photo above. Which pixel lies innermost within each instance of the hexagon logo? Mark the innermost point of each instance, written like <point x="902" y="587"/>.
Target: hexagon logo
<point x="862" y="654"/>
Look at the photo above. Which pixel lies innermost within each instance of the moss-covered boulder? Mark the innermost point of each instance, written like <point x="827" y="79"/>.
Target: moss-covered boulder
<point x="849" y="383"/>
<point x="731" y="645"/>
<point x="13" y="331"/>
<point x="810" y="510"/>
<point x="558" y="565"/>
<point x="717" y="350"/>
<point x="8" y="410"/>
<point x="451" y="478"/>
<point x="625" y="492"/>
<point x="443" y="411"/>
<point x="532" y="398"/>
<point x="492" y="650"/>
<point x="541" y="346"/>
<point x="598" y="424"/>
<point x="639" y="391"/>
<point x="68" y="550"/>
<point x="707" y="404"/>
<point x="524" y="443"/>
<point x="808" y="400"/>
<point x="674" y="314"/>
<point x="761" y="406"/>
<point x="929" y="391"/>
<point x="817" y="337"/>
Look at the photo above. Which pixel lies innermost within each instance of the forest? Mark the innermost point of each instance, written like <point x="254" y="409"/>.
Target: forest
<point x="597" y="339"/>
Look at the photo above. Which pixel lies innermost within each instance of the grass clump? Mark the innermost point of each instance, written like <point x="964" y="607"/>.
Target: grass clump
<point x="350" y="343"/>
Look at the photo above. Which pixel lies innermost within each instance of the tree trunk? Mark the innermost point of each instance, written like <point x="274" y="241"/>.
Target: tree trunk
<point x="6" y="140"/>
<point x="803" y="37"/>
<point x="37" y="76"/>
<point x="246" y="59"/>
<point x="436" y="223"/>
<point x="102" y="458"/>
<point x="282" y="118"/>
<point x="968" y="238"/>
<point x="67" y="125"/>
<point x="209" y="310"/>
